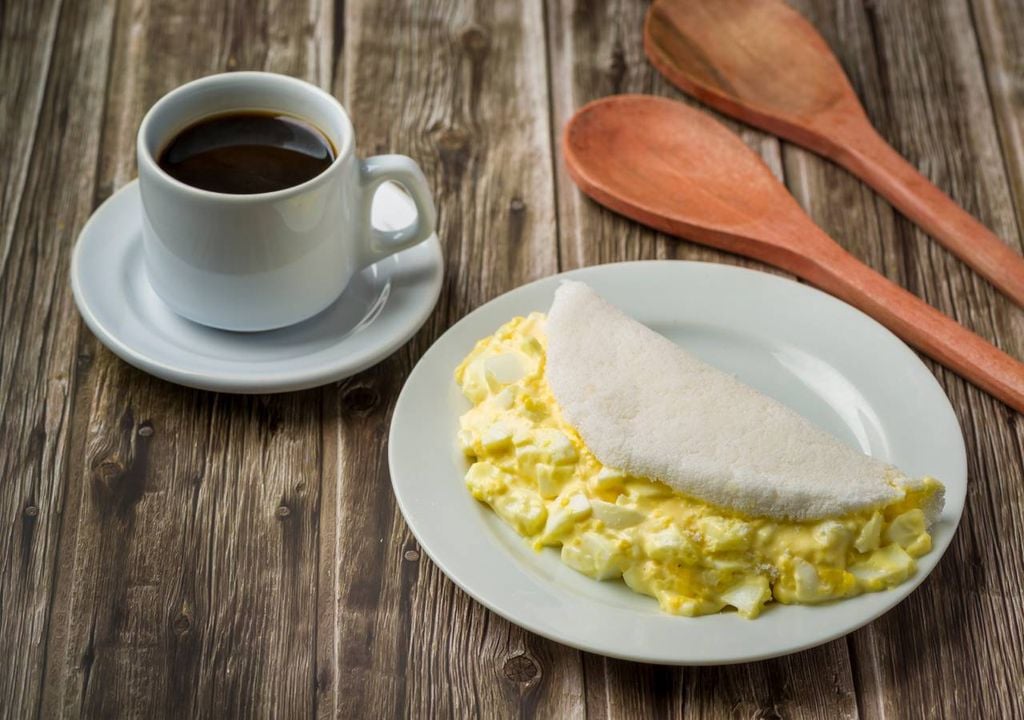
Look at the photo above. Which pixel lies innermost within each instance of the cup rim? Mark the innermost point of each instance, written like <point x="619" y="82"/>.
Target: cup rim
<point x="146" y="156"/>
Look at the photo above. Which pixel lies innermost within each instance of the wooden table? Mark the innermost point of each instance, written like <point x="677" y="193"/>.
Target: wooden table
<point x="170" y="552"/>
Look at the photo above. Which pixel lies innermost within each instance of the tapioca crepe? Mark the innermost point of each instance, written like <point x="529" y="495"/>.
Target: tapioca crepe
<point x="644" y="405"/>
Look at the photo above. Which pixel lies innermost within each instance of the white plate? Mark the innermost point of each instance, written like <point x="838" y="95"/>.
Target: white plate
<point x="378" y="312"/>
<point x="823" y="358"/>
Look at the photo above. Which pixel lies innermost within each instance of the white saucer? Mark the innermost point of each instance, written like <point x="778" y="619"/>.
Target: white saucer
<point x="380" y="310"/>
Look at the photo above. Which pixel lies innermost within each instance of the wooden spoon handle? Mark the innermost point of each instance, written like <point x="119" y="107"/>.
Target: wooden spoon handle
<point x="872" y="159"/>
<point x="919" y="324"/>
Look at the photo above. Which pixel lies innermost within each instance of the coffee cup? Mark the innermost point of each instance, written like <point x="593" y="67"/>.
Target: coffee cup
<point x="259" y="261"/>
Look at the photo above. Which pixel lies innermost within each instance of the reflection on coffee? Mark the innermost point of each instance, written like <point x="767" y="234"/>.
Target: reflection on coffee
<point x="247" y="152"/>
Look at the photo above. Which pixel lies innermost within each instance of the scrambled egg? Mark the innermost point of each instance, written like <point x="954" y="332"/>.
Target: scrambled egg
<point x="534" y="471"/>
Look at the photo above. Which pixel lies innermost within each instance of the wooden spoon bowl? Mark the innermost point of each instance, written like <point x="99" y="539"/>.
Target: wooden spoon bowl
<point x="761" y="62"/>
<point x="680" y="171"/>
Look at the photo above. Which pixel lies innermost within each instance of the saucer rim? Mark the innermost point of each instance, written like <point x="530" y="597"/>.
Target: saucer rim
<point x="270" y="382"/>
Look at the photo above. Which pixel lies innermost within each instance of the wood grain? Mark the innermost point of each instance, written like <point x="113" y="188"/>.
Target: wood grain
<point x="191" y="582"/>
<point x="1000" y="31"/>
<point x="172" y="553"/>
<point x="461" y="87"/>
<point x="53" y="75"/>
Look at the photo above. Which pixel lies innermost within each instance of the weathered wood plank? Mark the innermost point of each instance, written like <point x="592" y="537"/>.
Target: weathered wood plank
<point x="462" y="88"/>
<point x="53" y="63"/>
<point x="596" y="51"/>
<point x="772" y="689"/>
<point x="999" y="25"/>
<point x="926" y="93"/>
<point x="189" y="589"/>
<point x="27" y="35"/>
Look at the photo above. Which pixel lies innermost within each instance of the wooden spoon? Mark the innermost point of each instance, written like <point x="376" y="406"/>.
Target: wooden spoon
<point x="679" y="170"/>
<point x="760" y="61"/>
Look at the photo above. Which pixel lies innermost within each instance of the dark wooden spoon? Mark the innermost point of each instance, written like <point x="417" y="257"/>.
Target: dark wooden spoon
<point x="679" y="170"/>
<point x="761" y="62"/>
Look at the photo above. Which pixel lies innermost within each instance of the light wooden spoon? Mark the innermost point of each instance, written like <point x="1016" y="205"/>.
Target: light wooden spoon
<point x="679" y="170"/>
<point x="760" y="61"/>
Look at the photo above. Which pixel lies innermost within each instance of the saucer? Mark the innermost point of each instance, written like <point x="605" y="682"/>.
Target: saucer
<point x="383" y="306"/>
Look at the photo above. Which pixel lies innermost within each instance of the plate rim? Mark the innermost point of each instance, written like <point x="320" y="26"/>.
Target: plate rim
<point x="903" y="590"/>
<point x="345" y="365"/>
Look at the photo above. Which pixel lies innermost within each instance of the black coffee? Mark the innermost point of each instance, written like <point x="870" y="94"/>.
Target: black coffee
<point x="247" y="152"/>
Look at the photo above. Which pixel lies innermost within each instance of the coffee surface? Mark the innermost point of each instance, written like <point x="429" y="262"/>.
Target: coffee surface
<point x="247" y="152"/>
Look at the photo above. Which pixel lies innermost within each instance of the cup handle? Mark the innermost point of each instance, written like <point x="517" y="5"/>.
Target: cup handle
<point x="379" y="244"/>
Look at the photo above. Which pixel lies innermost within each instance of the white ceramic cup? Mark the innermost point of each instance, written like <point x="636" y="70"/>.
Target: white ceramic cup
<point x="263" y="261"/>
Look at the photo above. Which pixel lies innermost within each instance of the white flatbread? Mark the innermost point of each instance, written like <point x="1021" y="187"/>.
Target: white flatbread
<point x="646" y="407"/>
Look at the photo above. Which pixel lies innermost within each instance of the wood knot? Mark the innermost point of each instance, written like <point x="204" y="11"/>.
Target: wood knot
<point x="452" y="140"/>
<point x="411" y="555"/>
<point x="475" y="40"/>
<point x="1011" y="417"/>
<point x="283" y="511"/>
<point x="146" y="429"/>
<point x="117" y="487"/>
<point x="517" y="205"/>
<point x="453" y="150"/>
<point x="109" y="471"/>
<point x="617" y="68"/>
<point x="323" y="679"/>
<point x="182" y="623"/>
<point x="31" y="511"/>
<point x="360" y="400"/>
<point x="269" y="417"/>
<point x="521" y="669"/>
<point x="769" y="713"/>
<point x="83" y="361"/>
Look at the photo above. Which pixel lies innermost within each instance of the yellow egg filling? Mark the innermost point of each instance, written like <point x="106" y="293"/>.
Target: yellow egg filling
<point x="535" y="472"/>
